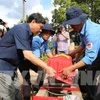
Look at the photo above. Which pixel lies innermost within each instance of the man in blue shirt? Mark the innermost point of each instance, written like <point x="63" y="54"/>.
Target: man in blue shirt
<point x="40" y="42"/>
<point x="90" y="36"/>
<point x="14" y="47"/>
<point x="39" y="45"/>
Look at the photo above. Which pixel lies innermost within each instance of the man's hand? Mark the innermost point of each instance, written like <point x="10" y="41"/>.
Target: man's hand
<point x="50" y="71"/>
<point x="65" y="72"/>
<point x="74" y="60"/>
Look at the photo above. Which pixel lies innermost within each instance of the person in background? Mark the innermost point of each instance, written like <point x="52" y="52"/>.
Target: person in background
<point x="1" y="31"/>
<point x="5" y="24"/>
<point x="71" y="46"/>
<point x="62" y="39"/>
<point x="54" y="45"/>
<point x="42" y="45"/>
<point x="15" y="46"/>
<point x="39" y="45"/>
<point x="89" y="33"/>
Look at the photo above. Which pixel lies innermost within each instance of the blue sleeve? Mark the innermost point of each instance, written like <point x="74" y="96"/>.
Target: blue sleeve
<point x="91" y="48"/>
<point x="36" y="44"/>
<point x="47" y="49"/>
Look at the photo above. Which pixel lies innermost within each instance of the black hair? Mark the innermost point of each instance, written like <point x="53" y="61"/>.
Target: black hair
<point x="61" y="27"/>
<point x="37" y="17"/>
<point x="2" y="22"/>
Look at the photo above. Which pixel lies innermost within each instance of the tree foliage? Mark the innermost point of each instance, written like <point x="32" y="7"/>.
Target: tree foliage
<point x="90" y="7"/>
<point x="59" y="12"/>
<point x="94" y="7"/>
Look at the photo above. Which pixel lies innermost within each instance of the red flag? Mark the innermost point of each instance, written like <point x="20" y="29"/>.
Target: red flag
<point x="61" y="61"/>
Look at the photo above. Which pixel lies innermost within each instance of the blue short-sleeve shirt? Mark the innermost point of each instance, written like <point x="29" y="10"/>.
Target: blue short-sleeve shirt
<point x="90" y="37"/>
<point x="39" y="45"/>
<point x="13" y="42"/>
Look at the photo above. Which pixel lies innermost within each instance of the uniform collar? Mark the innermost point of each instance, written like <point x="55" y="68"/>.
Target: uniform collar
<point x="28" y="28"/>
<point x="84" y="28"/>
<point x="41" y="39"/>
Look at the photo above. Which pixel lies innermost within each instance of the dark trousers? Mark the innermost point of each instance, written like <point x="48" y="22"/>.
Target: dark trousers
<point x="24" y="68"/>
<point x="90" y="89"/>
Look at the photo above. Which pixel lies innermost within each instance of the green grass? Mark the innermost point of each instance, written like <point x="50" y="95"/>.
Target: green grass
<point x="44" y="57"/>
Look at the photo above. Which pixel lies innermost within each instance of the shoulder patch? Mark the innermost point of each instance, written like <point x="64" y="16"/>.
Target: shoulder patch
<point x="89" y="45"/>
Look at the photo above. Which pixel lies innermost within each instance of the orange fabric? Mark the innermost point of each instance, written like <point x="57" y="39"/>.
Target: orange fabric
<point x="61" y="61"/>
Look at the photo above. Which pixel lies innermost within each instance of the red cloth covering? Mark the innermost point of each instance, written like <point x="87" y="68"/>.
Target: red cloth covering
<point x="59" y="62"/>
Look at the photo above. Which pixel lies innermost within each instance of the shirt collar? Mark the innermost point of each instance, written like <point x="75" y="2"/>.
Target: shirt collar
<point x="28" y="28"/>
<point x="83" y="29"/>
<point x="41" y="39"/>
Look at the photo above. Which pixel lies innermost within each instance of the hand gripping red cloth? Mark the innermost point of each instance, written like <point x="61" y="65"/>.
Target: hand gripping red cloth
<point x="59" y="62"/>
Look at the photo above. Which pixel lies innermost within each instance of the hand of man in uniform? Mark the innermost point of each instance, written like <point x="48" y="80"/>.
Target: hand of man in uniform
<point x="65" y="72"/>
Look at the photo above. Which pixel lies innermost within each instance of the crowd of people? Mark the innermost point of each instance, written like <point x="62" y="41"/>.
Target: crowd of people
<point x="21" y="48"/>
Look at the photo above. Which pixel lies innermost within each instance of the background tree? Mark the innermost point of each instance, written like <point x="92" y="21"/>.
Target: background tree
<point x="46" y="19"/>
<point x="94" y="7"/>
<point x="91" y="7"/>
<point x="59" y="12"/>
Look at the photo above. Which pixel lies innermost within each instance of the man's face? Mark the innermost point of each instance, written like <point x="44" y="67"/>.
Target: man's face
<point x="46" y="34"/>
<point x="36" y="27"/>
<point x="77" y="28"/>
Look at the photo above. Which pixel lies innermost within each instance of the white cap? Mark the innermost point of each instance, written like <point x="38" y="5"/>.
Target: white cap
<point x="1" y="27"/>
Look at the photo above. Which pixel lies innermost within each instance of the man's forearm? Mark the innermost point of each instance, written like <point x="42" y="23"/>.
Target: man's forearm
<point x="35" y="60"/>
<point x="77" y="65"/>
<point x="78" y="55"/>
<point x="77" y="50"/>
